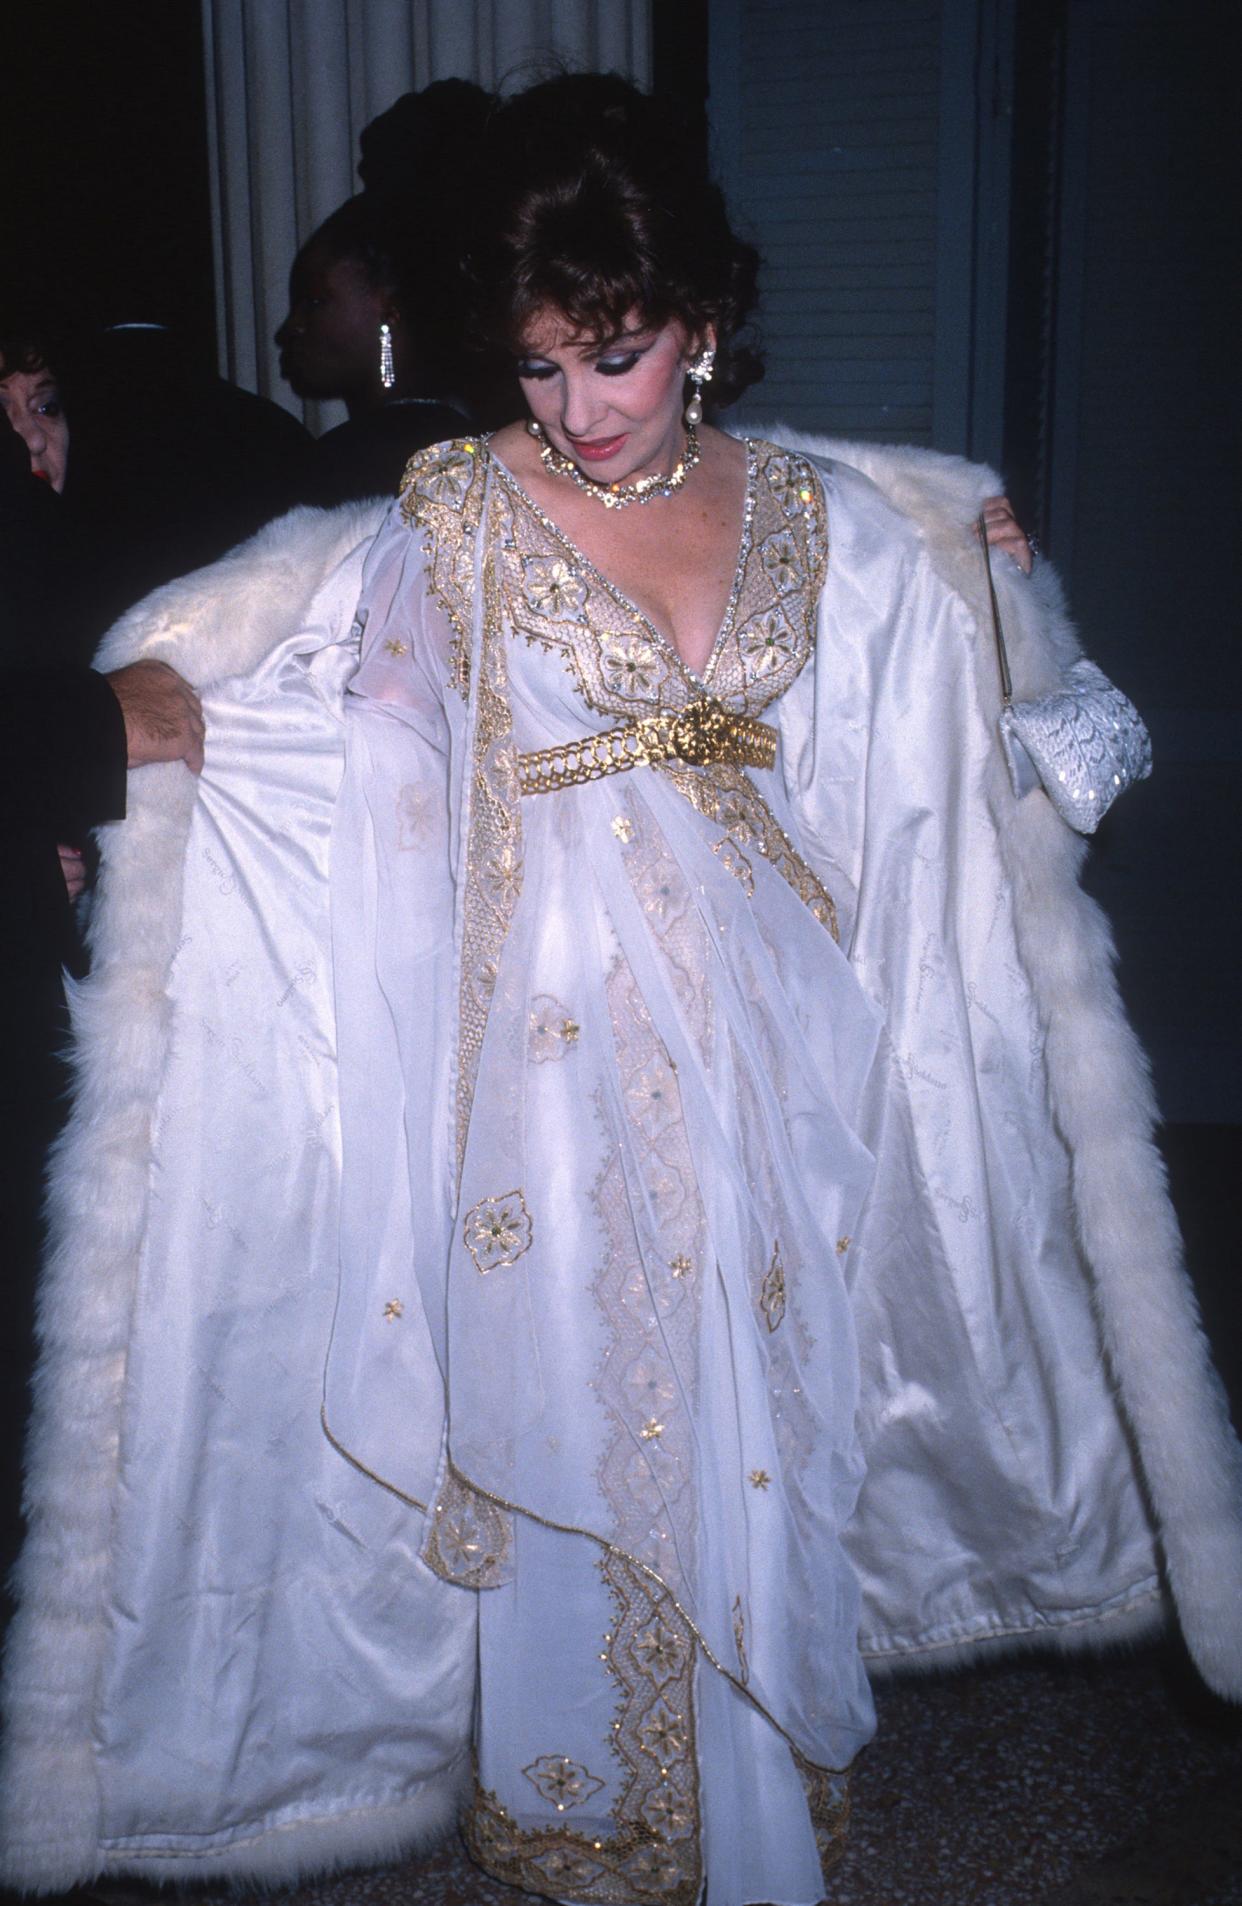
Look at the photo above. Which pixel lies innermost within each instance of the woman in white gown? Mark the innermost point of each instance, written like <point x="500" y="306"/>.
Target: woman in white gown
<point x="736" y="1125"/>
<point x="659" y="1072"/>
<point x="623" y="677"/>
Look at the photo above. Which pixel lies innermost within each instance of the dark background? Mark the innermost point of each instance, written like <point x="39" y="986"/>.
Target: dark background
<point x="106" y="207"/>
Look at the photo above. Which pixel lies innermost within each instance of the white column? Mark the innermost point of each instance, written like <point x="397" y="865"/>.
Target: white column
<point x="291" y="84"/>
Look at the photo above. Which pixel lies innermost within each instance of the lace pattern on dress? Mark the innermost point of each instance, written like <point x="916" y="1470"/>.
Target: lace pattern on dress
<point x="652" y="1856"/>
<point x="649" y="1296"/>
<point x="493" y="853"/>
<point x="828" y="1798"/>
<point x="728" y="796"/>
<point x="469" y="1539"/>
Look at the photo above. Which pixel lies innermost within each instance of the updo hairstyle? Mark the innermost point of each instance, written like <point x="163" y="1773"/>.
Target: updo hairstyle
<point x="400" y="248"/>
<point x="405" y="229"/>
<point x="430" y="134"/>
<point x="598" y="203"/>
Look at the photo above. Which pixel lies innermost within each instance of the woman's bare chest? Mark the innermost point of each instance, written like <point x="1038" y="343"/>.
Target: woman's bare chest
<point x="680" y="576"/>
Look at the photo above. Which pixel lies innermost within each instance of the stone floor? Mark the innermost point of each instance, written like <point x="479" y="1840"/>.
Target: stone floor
<point x="1036" y="1783"/>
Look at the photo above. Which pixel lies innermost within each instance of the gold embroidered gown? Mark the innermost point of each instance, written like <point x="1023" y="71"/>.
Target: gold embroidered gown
<point x="644" y="1187"/>
<point x="626" y="1140"/>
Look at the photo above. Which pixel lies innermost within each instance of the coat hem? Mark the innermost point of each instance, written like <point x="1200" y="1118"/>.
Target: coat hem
<point x="276" y="1853"/>
<point x="1139" y="1619"/>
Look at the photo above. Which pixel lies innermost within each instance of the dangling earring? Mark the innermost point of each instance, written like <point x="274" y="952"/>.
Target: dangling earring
<point x="388" y="376"/>
<point x="699" y="373"/>
<point x="534" y="427"/>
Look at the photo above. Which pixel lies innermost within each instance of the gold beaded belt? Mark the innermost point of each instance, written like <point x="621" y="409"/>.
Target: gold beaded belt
<point x="702" y="733"/>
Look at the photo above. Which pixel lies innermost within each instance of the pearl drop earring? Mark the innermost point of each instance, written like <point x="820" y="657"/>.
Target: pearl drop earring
<point x="534" y="427"/>
<point x="699" y="373"/>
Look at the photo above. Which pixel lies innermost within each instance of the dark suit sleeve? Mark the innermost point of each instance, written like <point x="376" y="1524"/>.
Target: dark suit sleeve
<point x="62" y="734"/>
<point x="62" y="751"/>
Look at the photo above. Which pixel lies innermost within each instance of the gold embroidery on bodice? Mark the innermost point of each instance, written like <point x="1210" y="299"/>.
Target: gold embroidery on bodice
<point x="622" y="665"/>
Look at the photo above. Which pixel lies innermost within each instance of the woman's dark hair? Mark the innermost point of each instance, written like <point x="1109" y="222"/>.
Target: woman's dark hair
<point x="405" y="247"/>
<point x="406" y="228"/>
<point x="432" y="132"/>
<point x="26" y="348"/>
<point x="598" y="204"/>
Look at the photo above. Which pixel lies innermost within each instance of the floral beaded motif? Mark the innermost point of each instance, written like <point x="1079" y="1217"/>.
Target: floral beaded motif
<point x="562" y="1781"/>
<point x="497" y="1231"/>
<point x="469" y="1538"/>
<point x="553" y="1030"/>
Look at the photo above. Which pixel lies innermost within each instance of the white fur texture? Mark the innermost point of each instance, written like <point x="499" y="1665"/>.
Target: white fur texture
<point x="219" y="622"/>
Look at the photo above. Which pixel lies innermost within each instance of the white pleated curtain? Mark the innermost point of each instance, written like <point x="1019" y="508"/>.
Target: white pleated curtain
<point x="291" y="84"/>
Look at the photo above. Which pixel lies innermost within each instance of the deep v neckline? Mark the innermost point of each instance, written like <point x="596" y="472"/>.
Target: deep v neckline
<point x="700" y="678"/>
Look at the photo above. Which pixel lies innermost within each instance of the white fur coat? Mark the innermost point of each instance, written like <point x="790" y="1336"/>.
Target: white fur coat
<point x="220" y="624"/>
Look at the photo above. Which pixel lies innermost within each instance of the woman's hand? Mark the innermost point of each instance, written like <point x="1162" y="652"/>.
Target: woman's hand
<point x="1005" y="532"/>
<point x="73" y="867"/>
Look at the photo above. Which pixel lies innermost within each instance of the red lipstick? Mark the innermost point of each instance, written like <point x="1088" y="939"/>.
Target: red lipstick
<point x="597" y="449"/>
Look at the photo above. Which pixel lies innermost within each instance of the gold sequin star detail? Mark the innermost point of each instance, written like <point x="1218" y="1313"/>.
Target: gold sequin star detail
<point x="622" y="827"/>
<point x="843" y="1245"/>
<point x="759" y="1479"/>
<point x="395" y="648"/>
<point x="393" y="1309"/>
<point x="681" y="1265"/>
<point x="651" y="1429"/>
<point x="569" y="1031"/>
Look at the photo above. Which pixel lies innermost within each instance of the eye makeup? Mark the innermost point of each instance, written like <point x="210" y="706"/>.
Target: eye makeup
<point x="607" y="359"/>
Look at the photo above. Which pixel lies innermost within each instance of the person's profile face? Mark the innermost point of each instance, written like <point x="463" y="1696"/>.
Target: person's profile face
<point x="329" y="342"/>
<point x="31" y="401"/>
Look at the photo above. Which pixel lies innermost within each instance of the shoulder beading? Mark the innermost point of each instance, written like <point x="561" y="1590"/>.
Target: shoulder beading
<point x="442" y="495"/>
<point x="445" y="476"/>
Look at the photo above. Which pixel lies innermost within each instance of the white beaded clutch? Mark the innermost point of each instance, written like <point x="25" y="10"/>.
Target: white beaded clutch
<point x="1085" y="742"/>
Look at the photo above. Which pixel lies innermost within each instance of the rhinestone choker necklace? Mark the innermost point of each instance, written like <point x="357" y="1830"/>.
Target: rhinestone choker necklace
<point x="615" y="496"/>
